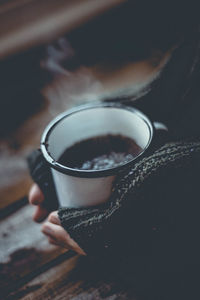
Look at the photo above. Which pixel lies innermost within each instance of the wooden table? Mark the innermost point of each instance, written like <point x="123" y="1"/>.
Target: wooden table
<point x="28" y="23"/>
<point x="32" y="269"/>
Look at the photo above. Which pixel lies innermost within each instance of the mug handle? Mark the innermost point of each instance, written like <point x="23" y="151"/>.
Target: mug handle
<point x="160" y="127"/>
<point x="161" y="135"/>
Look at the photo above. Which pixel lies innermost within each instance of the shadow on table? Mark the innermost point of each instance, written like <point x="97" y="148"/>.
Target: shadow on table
<point x="142" y="278"/>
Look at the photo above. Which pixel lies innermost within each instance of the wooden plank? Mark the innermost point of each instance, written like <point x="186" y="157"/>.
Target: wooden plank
<point x="24" y="24"/>
<point x="23" y="248"/>
<point x="5" y="5"/>
<point x="76" y="278"/>
<point x="30" y="268"/>
<point x="15" y="180"/>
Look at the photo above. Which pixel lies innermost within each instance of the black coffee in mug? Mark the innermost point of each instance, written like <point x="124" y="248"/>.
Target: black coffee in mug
<point x="99" y="153"/>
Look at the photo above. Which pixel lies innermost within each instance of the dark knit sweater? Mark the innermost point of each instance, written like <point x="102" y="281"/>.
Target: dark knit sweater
<point x="173" y="99"/>
<point x="154" y="204"/>
<point x="138" y="208"/>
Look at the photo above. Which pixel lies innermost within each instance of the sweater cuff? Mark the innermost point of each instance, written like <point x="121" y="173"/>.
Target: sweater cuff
<point x="92" y="236"/>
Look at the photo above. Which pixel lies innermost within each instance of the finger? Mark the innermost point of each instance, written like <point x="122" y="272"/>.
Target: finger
<point x="40" y="214"/>
<point x="52" y="241"/>
<point x="53" y="218"/>
<point x="63" y="239"/>
<point x="35" y="196"/>
<point x="56" y="233"/>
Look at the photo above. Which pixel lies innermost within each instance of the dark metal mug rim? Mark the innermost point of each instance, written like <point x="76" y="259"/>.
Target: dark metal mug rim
<point x="91" y="173"/>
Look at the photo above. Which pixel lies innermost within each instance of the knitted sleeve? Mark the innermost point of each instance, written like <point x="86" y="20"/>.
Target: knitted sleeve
<point x="147" y="199"/>
<point x="137" y="206"/>
<point x="41" y="174"/>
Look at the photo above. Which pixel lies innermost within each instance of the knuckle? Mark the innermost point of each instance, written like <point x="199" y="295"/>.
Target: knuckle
<point x="51" y="241"/>
<point x="52" y="216"/>
<point x="44" y="227"/>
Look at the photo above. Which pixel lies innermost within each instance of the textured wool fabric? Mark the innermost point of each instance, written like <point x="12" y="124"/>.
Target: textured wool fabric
<point x="149" y="197"/>
<point x="173" y="98"/>
<point x="97" y="229"/>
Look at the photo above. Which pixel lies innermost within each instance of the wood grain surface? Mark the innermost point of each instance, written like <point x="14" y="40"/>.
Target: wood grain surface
<point x="23" y="248"/>
<point x="30" y="268"/>
<point x="75" y="278"/>
<point x="27" y="23"/>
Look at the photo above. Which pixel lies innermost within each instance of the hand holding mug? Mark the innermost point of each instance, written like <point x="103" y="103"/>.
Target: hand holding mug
<point x="51" y="227"/>
<point x="82" y="187"/>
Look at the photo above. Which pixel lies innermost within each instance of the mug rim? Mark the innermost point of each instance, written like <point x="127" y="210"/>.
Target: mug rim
<point x="91" y="173"/>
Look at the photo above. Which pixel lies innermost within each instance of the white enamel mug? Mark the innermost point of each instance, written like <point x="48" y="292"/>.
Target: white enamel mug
<point x="79" y="188"/>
